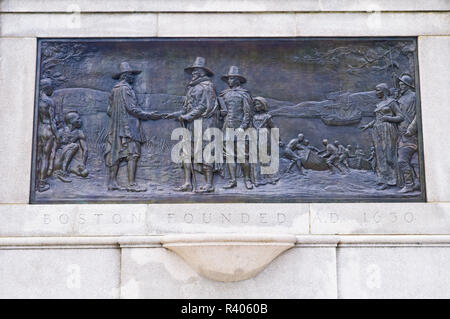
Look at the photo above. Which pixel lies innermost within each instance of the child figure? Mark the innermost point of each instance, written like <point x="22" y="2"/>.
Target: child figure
<point x="71" y="141"/>
<point x="372" y="158"/>
<point x="262" y="119"/>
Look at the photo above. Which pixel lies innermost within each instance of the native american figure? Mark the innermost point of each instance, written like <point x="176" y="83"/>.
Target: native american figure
<point x="47" y="128"/>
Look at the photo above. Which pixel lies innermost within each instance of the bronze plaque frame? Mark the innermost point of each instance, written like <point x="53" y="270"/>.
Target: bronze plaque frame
<point x="335" y="75"/>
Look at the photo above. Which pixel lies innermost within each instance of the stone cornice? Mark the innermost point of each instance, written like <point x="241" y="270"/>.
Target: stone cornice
<point x="159" y="241"/>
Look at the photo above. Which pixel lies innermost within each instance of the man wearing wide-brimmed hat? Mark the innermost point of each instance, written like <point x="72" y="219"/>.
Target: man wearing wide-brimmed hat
<point x="407" y="146"/>
<point x="238" y="116"/>
<point x="124" y="138"/>
<point x="200" y="103"/>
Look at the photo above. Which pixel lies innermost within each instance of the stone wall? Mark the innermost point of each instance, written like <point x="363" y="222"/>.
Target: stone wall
<point x="358" y="250"/>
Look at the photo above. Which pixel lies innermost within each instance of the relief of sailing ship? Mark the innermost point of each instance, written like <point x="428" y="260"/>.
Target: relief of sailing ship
<point x="341" y="114"/>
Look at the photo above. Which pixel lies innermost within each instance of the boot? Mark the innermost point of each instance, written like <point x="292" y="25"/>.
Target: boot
<point x="231" y="184"/>
<point x="253" y="175"/>
<point x="247" y="178"/>
<point x="208" y="187"/>
<point x="382" y="186"/>
<point x="409" y="182"/>
<point x="248" y="184"/>
<point x="232" y="171"/>
<point x="407" y="189"/>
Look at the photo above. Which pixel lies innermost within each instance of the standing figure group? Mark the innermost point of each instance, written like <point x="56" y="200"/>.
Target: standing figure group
<point x="235" y="115"/>
<point x="59" y="142"/>
<point x="233" y="106"/>
<point x="394" y="135"/>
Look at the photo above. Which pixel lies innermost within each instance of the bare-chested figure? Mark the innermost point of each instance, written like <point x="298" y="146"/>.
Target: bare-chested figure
<point x="332" y="155"/>
<point x="46" y="134"/>
<point x="290" y="152"/>
<point x="310" y="147"/>
<point x="344" y="155"/>
<point x="296" y="143"/>
<point x="287" y="153"/>
<point x="71" y="140"/>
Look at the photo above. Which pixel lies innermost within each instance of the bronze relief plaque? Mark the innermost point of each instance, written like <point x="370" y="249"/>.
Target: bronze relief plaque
<point x="227" y="120"/>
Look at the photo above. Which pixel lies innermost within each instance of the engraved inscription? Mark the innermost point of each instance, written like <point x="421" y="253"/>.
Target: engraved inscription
<point x="92" y="218"/>
<point x="366" y="218"/>
<point x="228" y="218"/>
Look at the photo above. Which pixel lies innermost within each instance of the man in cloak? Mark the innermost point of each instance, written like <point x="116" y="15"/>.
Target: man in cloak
<point x="200" y="104"/>
<point x="125" y="137"/>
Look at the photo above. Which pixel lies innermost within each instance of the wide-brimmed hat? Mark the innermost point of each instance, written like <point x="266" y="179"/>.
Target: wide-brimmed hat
<point x="125" y="68"/>
<point x="199" y="62"/>
<point x="407" y="79"/>
<point x="233" y="71"/>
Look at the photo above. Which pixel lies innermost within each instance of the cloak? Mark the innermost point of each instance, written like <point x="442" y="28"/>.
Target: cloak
<point x="124" y="123"/>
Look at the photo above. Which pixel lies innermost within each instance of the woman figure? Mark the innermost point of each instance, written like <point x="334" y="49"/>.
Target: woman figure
<point x="261" y="119"/>
<point x="385" y="136"/>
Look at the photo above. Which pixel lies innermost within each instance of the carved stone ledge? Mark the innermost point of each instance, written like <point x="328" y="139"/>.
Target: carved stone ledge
<point x="228" y="257"/>
<point x="159" y="241"/>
